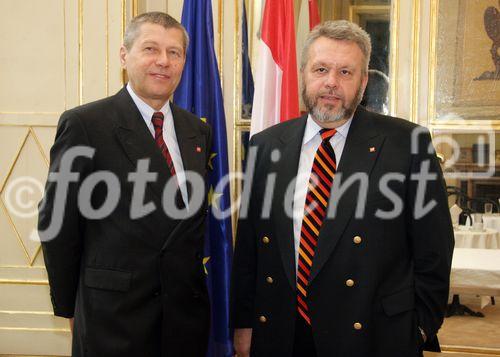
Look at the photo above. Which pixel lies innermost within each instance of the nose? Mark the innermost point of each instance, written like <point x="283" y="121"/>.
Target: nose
<point x="331" y="80"/>
<point x="162" y="59"/>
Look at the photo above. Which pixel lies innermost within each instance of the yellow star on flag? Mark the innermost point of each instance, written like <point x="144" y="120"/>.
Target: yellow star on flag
<point x="203" y="119"/>
<point x="213" y="198"/>
<point x="205" y="261"/>
<point x="210" y="159"/>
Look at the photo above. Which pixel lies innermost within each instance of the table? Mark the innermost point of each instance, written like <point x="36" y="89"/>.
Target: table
<point x="488" y="239"/>
<point x="473" y="271"/>
<point x="492" y="221"/>
<point x="476" y="271"/>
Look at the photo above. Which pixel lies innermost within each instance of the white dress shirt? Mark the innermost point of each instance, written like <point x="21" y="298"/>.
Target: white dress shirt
<point x="168" y="136"/>
<point x="310" y="144"/>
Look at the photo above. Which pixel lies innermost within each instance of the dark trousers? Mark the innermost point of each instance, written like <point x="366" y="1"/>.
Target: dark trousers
<point x="303" y="343"/>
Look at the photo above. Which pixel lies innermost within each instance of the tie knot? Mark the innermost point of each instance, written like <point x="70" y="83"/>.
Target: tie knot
<point x="326" y="134"/>
<point x="157" y="120"/>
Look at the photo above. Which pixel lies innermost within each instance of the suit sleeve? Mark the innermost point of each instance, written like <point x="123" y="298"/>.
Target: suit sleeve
<point x="432" y="239"/>
<point x="244" y="270"/>
<point x="63" y="245"/>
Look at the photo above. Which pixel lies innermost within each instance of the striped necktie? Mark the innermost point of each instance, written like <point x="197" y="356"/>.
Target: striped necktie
<point x="157" y="121"/>
<point x="318" y="194"/>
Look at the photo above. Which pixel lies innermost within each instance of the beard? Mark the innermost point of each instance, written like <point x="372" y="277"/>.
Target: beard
<point x="326" y="114"/>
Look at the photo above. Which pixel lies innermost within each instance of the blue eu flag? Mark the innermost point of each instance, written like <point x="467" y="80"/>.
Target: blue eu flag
<point x="200" y="92"/>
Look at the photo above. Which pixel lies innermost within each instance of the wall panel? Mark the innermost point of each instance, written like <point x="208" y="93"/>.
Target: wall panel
<point x="56" y="54"/>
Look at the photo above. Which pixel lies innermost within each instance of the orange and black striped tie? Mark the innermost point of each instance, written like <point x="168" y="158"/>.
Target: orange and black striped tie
<point x="318" y="194"/>
<point x="157" y="121"/>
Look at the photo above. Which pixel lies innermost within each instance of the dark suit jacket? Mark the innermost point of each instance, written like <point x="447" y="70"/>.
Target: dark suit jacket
<point x="136" y="287"/>
<point x="400" y="268"/>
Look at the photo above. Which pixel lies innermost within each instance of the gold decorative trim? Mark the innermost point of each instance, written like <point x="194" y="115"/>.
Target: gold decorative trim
<point x="37" y="252"/>
<point x="35" y="329"/>
<point x="64" y="56"/>
<point x="432" y="59"/>
<point x="12" y="312"/>
<point x="220" y="50"/>
<point x="41" y="125"/>
<point x="30" y="113"/>
<point x="28" y="356"/>
<point x="22" y="267"/>
<point x="466" y="124"/>
<point x="235" y="190"/>
<point x="80" y="51"/>
<point x="106" y="71"/>
<point x="39" y="145"/>
<point x="18" y="235"/>
<point x="470" y="349"/>
<point x="394" y="57"/>
<point x="29" y="132"/>
<point x="124" y="17"/>
<point x="23" y="282"/>
<point x="135" y="8"/>
<point x="367" y="9"/>
<point x="14" y="160"/>
<point x="250" y="19"/>
<point x="415" y="62"/>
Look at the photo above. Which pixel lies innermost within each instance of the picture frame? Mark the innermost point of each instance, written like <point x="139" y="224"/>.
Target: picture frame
<point x="462" y="63"/>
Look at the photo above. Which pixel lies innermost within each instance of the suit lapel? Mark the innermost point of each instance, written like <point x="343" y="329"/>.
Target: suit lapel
<point x="192" y="144"/>
<point x="291" y="143"/>
<point x="363" y="144"/>
<point x="138" y="143"/>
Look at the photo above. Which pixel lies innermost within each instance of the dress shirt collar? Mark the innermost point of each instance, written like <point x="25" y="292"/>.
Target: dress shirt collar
<point x="312" y="129"/>
<point x="144" y="108"/>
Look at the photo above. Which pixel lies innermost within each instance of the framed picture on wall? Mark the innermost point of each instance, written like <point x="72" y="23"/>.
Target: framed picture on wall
<point x="465" y="66"/>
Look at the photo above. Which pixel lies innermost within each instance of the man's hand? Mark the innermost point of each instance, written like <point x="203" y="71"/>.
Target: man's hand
<point x="71" y="322"/>
<point x="242" y="340"/>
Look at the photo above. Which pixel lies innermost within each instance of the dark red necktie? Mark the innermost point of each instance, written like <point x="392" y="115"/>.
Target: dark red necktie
<point x="157" y="121"/>
<point x="318" y="194"/>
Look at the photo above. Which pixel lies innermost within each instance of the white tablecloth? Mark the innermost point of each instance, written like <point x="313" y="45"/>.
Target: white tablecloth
<point x="488" y="239"/>
<point x="492" y="221"/>
<point x="476" y="271"/>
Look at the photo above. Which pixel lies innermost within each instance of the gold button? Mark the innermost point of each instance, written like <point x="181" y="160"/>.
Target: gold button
<point x="357" y="326"/>
<point x="349" y="282"/>
<point x="265" y="240"/>
<point x="269" y="280"/>
<point x="357" y="239"/>
<point x="262" y="319"/>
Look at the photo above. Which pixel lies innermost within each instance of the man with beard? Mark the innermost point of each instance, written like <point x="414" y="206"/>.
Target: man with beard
<point x="353" y="256"/>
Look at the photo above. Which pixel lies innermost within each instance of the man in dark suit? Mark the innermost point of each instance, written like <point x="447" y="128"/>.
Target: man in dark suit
<point x="353" y="257"/>
<point x="121" y="234"/>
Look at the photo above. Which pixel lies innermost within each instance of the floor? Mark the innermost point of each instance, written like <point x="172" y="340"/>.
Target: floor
<point x="472" y="334"/>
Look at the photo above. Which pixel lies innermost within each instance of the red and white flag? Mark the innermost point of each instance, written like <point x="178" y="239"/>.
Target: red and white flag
<point x="276" y="84"/>
<point x="308" y="19"/>
<point x="313" y="13"/>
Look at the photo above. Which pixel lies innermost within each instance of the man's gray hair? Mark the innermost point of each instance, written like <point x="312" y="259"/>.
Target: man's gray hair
<point x="155" y="17"/>
<point x="341" y="30"/>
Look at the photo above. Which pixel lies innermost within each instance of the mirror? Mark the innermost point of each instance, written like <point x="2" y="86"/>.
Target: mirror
<point x="375" y="18"/>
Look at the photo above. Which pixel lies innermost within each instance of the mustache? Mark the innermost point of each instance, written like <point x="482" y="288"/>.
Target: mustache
<point x="330" y="92"/>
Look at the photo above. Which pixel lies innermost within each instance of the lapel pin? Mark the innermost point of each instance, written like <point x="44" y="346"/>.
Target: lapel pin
<point x="372" y="149"/>
<point x="198" y="149"/>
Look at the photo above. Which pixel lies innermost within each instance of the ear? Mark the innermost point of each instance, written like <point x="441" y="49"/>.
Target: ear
<point x="123" y="56"/>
